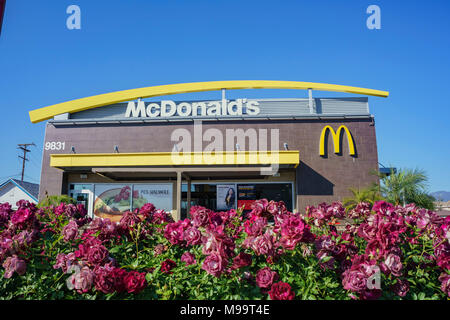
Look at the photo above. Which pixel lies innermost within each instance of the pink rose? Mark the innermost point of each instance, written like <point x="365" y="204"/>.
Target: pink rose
<point x="294" y="230"/>
<point x="324" y="243"/>
<point x="22" y="217"/>
<point x="263" y="245"/>
<point x="272" y="207"/>
<point x="14" y="264"/>
<point x="259" y="208"/>
<point x="82" y="281"/>
<point x="160" y="216"/>
<point x="383" y="207"/>
<point x="443" y="261"/>
<point x="445" y="283"/>
<point x="354" y="280"/>
<point x="193" y="236"/>
<point x="255" y="225"/>
<point x="394" y="264"/>
<point x="70" y="231"/>
<point x="265" y="277"/>
<point x="214" y="264"/>
<point x="64" y="262"/>
<point x="5" y="213"/>
<point x="361" y="210"/>
<point x="188" y="258"/>
<point x="401" y="288"/>
<point x="200" y="216"/>
<point x="129" y="219"/>
<point x="338" y="211"/>
<point x="159" y="249"/>
<point x="81" y="210"/>
<point x="174" y="232"/>
<point x="367" y="231"/>
<point x="147" y="209"/>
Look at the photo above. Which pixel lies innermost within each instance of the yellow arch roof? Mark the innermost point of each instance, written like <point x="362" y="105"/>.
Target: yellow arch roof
<point x="132" y="94"/>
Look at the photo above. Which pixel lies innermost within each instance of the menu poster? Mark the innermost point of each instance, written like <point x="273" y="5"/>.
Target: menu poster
<point x="246" y="196"/>
<point x="226" y="197"/>
<point x="160" y="195"/>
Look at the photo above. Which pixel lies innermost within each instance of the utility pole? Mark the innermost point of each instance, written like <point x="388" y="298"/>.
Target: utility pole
<point x="23" y="147"/>
<point x="2" y="12"/>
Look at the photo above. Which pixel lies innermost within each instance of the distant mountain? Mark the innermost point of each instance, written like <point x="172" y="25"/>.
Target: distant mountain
<point x="441" y="195"/>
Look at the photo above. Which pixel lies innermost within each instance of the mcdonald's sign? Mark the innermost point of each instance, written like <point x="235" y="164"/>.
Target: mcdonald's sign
<point x="336" y="140"/>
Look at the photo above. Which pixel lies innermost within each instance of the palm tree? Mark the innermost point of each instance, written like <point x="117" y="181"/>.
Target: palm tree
<point x="369" y="195"/>
<point x="406" y="186"/>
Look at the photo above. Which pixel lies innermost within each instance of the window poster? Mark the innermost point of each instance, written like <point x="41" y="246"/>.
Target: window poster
<point x="246" y="196"/>
<point x="226" y="197"/>
<point x="111" y="200"/>
<point x="160" y="195"/>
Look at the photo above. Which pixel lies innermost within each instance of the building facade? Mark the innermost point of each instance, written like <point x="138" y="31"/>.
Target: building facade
<point x="222" y="153"/>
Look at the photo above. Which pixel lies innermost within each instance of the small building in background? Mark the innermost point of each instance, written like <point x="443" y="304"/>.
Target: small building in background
<point x="442" y="208"/>
<point x="14" y="190"/>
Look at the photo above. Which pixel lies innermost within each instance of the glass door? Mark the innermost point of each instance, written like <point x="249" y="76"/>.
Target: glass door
<point x="83" y="195"/>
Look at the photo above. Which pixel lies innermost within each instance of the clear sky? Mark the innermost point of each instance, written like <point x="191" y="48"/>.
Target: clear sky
<point x="138" y="43"/>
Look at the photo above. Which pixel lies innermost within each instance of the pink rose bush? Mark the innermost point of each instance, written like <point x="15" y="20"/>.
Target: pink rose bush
<point x="386" y="252"/>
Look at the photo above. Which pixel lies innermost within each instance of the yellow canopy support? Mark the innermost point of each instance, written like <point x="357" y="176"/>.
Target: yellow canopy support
<point x="77" y="105"/>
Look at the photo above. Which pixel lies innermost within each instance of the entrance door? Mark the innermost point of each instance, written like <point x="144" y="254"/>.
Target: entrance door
<point x="84" y="197"/>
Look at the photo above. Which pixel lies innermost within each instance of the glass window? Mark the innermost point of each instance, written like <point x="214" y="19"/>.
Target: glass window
<point x="248" y="193"/>
<point x="201" y="195"/>
<point x="79" y="187"/>
<point x="219" y="197"/>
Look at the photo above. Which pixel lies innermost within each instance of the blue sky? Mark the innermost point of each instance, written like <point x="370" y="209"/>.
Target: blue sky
<point x="138" y="43"/>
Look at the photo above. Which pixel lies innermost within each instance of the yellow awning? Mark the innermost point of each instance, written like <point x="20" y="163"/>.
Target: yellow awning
<point x="149" y="159"/>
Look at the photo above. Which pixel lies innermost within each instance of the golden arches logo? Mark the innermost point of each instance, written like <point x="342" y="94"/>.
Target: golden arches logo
<point x="336" y="140"/>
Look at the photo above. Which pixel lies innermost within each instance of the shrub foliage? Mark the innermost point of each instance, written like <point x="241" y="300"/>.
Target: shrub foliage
<point x="388" y="252"/>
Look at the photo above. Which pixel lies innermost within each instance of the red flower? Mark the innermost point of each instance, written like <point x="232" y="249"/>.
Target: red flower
<point x="134" y="282"/>
<point x="119" y="276"/>
<point x="242" y="260"/>
<point x="167" y="265"/>
<point x="281" y="291"/>
<point x="104" y="280"/>
<point x="97" y="254"/>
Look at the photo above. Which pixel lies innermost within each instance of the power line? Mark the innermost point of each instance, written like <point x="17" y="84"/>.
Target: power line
<point x="34" y="163"/>
<point x="10" y="176"/>
<point x="32" y="179"/>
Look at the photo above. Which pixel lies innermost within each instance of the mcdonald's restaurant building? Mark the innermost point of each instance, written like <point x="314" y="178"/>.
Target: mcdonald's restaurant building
<point x="115" y="152"/>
